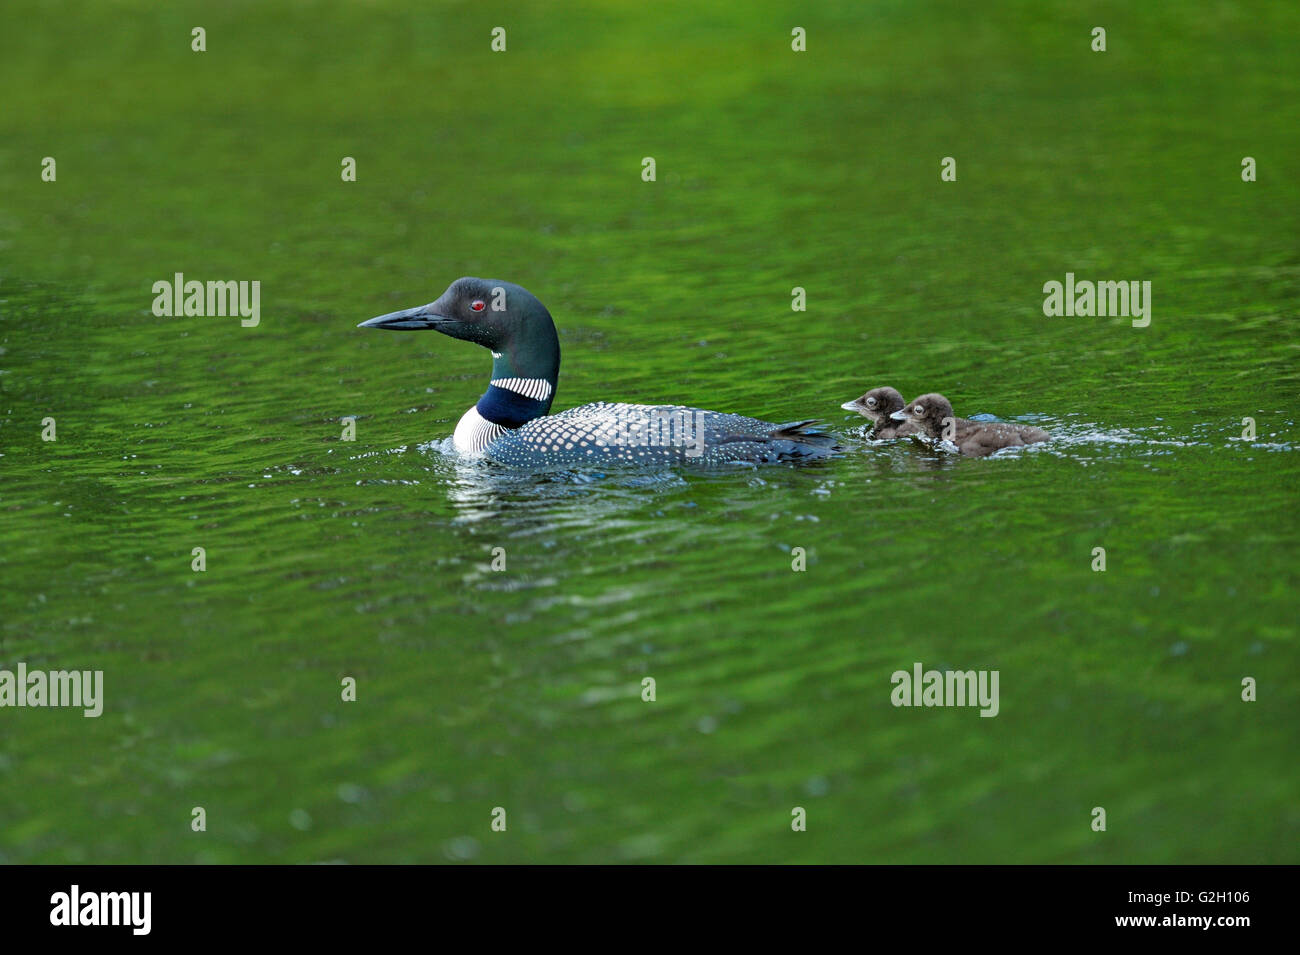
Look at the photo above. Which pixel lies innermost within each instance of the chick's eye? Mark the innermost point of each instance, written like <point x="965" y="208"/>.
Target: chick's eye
<point x="919" y="410"/>
<point x="871" y="402"/>
<point x="478" y="305"/>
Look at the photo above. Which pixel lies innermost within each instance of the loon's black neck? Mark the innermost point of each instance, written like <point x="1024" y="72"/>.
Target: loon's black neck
<point x="524" y="378"/>
<point x="509" y="408"/>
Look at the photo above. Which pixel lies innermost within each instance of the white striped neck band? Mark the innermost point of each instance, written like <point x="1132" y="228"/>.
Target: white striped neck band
<point x="539" y="389"/>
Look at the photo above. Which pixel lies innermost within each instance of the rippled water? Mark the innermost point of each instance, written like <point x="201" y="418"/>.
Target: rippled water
<point x="522" y="688"/>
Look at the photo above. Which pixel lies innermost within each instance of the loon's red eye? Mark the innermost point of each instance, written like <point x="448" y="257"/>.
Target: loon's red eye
<point x="478" y="305"/>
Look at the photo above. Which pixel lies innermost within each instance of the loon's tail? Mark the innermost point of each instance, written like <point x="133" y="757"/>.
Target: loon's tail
<point x="799" y="431"/>
<point x="793" y="440"/>
<point x="804" y="441"/>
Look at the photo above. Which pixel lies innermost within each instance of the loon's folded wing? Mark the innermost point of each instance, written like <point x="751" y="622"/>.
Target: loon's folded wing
<point x="604" y="434"/>
<point x="783" y="442"/>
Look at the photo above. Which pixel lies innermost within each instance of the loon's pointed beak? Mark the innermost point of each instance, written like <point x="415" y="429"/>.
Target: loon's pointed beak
<point x="408" y="320"/>
<point x="851" y="405"/>
<point x="899" y="416"/>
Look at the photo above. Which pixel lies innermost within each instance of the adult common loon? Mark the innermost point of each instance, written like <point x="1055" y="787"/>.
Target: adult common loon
<point x="511" y="423"/>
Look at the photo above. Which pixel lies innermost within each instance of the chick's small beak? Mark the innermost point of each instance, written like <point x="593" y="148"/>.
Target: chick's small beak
<point x="899" y="416"/>
<point x="851" y="405"/>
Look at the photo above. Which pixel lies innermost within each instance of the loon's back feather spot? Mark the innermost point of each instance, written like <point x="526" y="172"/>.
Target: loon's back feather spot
<point x="604" y="433"/>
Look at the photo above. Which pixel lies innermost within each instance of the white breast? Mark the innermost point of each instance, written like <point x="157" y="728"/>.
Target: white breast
<point x="475" y="432"/>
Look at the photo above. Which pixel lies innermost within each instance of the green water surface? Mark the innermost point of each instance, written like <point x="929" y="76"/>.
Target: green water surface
<point x="522" y="689"/>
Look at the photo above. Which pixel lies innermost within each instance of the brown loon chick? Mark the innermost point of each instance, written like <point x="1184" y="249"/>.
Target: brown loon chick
<point x="932" y="415"/>
<point x="877" y="405"/>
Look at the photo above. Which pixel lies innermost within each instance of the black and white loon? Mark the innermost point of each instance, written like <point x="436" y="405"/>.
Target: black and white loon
<point x="511" y="423"/>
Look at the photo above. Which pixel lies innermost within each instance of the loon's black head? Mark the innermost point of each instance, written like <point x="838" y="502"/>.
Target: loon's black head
<point x="512" y="324"/>
<point x="501" y="316"/>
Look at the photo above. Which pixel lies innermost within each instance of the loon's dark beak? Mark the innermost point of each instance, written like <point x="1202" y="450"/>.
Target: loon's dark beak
<point x="899" y="416"/>
<point x="409" y="320"/>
